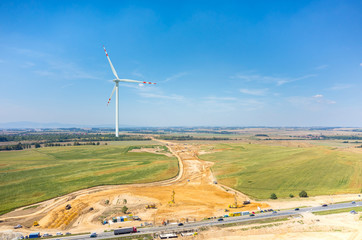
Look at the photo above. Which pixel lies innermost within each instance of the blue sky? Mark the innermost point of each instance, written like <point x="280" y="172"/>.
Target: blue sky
<point x="216" y="63"/>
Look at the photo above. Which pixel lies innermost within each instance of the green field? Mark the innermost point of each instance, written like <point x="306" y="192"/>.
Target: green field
<point x="259" y="170"/>
<point x="30" y="176"/>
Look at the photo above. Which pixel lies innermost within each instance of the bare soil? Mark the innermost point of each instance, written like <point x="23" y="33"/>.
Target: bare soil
<point x="332" y="227"/>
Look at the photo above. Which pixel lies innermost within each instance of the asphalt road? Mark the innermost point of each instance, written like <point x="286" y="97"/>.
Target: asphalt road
<point x="215" y="222"/>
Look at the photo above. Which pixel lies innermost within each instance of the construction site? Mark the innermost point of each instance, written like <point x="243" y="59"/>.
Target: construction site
<point x="192" y="195"/>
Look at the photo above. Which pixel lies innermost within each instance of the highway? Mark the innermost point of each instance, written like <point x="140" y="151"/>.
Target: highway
<point x="215" y="222"/>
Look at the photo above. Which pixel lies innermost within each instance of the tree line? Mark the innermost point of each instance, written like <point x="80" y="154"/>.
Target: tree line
<point x="188" y="137"/>
<point x="63" y="137"/>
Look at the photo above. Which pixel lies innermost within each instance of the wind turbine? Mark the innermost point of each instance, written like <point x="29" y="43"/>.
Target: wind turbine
<point x="115" y="89"/>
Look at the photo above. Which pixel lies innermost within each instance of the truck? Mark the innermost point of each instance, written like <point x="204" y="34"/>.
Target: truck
<point x="34" y="235"/>
<point x="125" y="230"/>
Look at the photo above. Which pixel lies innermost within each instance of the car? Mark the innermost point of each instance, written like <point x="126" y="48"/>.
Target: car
<point x="59" y="234"/>
<point x="353" y="212"/>
<point x="275" y="212"/>
<point x="253" y="212"/>
<point x="297" y="209"/>
<point x="18" y="226"/>
<point x="180" y="224"/>
<point x="220" y="219"/>
<point x="93" y="235"/>
<point x="353" y="202"/>
<point x="324" y="205"/>
<point x="252" y="215"/>
<point x="47" y="235"/>
<point x="261" y="211"/>
<point x="68" y="233"/>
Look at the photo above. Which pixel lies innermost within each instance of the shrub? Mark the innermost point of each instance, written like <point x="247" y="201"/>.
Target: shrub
<point x="273" y="196"/>
<point x="291" y="195"/>
<point x="124" y="209"/>
<point x="303" y="194"/>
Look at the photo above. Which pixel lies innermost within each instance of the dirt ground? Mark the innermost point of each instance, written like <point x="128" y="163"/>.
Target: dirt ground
<point x="344" y="226"/>
<point x="196" y="197"/>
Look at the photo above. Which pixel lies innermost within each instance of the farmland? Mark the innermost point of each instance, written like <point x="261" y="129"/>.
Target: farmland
<point x="35" y="175"/>
<point x="259" y="170"/>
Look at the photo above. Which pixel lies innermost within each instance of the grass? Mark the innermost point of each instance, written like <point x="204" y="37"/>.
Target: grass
<point x="334" y="211"/>
<point x="77" y="234"/>
<point x="259" y="170"/>
<point x="256" y="221"/>
<point x="31" y="207"/>
<point x="134" y="237"/>
<point x="31" y="176"/>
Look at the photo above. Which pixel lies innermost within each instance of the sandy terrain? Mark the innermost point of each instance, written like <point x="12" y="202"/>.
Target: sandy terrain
<point x="342" y="226"/>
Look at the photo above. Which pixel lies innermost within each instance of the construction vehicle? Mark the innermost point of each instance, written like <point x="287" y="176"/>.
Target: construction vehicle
<point x="68" y="207"/>
<point x="172" y="198"/>
<point x="35" y="224"/>
<point x="235" y="205"/>
<point x="151" y="206"/>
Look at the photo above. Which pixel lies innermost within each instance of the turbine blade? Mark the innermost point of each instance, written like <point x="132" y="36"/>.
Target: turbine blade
<point x="114" y="89"/>
<point x="110" y="63"/>
<point x="135" y="81"/>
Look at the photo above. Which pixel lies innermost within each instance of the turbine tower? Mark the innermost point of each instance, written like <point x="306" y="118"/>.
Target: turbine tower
<point x="115" y="89"/>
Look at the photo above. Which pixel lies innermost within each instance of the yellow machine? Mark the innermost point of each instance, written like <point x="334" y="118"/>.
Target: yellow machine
<point x="35" y="224"/>
<point x="172" y="198"/>
<point x="235" y="205"/>
<point x="151" y="206"/>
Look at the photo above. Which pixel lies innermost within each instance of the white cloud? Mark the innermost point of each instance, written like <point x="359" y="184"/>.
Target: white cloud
<point x="337" y="87"/>
<point x="360" y="64"/>
<point x="256" y="92"/>
<point x="270" y="79"/>
<point x="281" y="82"/>
<point x="310" y="101"/>
<point x="67" y="85"/>
<point x="324" y="66"/>
<point x="228" y="104"/>
<point x="44" y="73"/>
<point x="29" y="52"/>
<point x="221" y="98"/>
<point x="69" y="70"/>
<point x="161" y="96"/>
<point x="176" y="76"/>
<point x="55" y="67"/>
<point x="137" y="74"/>
<point x="28" y="64"/>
